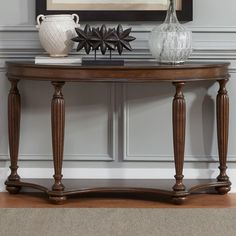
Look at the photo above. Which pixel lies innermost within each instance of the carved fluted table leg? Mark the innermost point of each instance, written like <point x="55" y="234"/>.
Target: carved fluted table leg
<point x="222" y="109"/>
<point x="14" y="112"/>
<point x="58" y="126"/>
<point x="179" y="122"/>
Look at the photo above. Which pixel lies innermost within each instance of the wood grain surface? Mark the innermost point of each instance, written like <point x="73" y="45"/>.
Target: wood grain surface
<point x="38" y="200"/>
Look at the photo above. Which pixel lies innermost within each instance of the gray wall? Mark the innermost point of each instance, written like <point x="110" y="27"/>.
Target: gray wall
<point x="111" y="130"/>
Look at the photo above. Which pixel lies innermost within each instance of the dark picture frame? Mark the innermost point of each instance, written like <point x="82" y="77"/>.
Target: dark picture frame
<point x="185" y="14"/>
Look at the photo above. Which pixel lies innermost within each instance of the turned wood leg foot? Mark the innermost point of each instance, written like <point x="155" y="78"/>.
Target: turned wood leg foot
<point x="13" y="190"/>
<point x="179" y="200"/>
<point x="58" y="127"/>
<point x="14" y="175"/>
<point x="58" y="200"/>
<point x="223" y="190"/>
<point x="179" y="122"/>
<point x="58" y="186"/>
<point x="222" y="109"/>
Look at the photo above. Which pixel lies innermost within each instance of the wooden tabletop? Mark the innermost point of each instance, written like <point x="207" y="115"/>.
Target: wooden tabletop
<point x="130" y="72"/>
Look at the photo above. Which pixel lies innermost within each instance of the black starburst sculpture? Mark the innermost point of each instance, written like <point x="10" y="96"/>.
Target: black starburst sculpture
<point x="103" y="39"/>
<point x="83" y="38"/>
<point x="123" y="39"/>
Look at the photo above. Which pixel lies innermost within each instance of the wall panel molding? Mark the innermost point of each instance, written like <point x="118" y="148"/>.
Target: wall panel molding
<point x="128" y="156"/>
<point x="109" y="156"/>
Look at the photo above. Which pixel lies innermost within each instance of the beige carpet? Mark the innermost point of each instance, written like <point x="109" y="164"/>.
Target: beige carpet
<point x="117" y="222"/>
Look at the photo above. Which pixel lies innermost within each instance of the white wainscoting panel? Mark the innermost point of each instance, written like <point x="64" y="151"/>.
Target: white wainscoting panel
<point x="151" y="104"/>
<point x="89" y="121"/>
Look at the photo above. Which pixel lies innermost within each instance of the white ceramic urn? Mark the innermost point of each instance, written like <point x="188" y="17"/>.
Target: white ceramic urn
<point x="56" y="32"/>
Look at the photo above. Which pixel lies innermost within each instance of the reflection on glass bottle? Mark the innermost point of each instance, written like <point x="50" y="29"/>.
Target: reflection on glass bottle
<point x="171" y="42"/>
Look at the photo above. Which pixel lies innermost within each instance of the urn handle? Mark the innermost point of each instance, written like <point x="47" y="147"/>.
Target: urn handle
<point x="75" y="18"/>
<point x="40" y="19"/>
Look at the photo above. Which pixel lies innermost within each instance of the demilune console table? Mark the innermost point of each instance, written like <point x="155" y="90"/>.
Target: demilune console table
<point x="131" y="72"/>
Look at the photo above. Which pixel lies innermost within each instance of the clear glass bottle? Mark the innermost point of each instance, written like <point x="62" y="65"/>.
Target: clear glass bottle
<point x="171" y="42"/>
